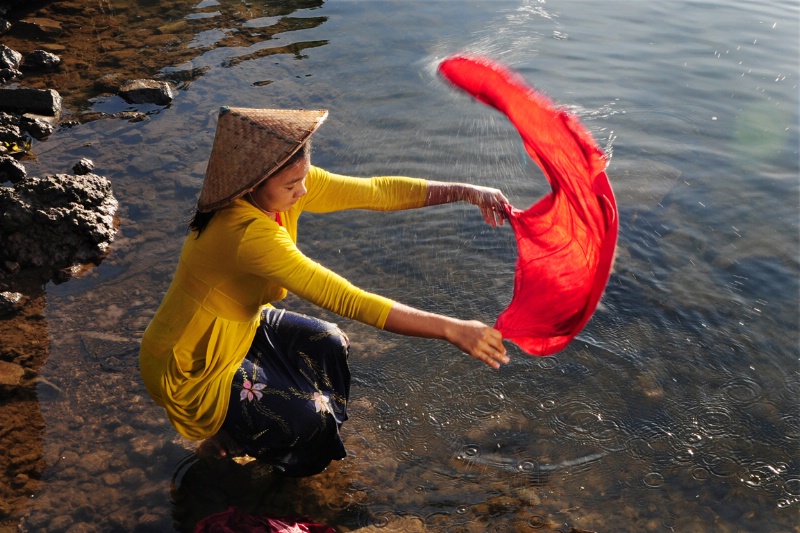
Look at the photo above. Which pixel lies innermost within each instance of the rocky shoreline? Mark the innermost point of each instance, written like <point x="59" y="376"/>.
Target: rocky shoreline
<point x="52" y="228"/>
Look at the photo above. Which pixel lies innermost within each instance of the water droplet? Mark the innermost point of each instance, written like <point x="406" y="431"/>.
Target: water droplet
<point x="470" y="451"/>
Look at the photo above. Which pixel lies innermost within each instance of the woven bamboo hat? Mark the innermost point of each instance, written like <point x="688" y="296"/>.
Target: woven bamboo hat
<point x="249" y="146"/>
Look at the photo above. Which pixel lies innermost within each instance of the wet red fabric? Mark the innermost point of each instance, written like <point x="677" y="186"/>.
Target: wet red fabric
<point x="566" y="240"/>
<point x="235" y="521"/>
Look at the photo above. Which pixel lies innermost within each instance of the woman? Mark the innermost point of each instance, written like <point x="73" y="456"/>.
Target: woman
<point x="233" y="370"/>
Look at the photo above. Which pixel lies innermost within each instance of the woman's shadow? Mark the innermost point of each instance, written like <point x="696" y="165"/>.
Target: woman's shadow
<point x="205" y="486"/>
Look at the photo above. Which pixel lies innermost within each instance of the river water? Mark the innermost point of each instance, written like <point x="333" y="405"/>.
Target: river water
<point x="676" y="409"/>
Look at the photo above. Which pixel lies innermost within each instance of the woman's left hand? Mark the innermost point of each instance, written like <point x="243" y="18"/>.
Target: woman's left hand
<point x="492" y="203"/>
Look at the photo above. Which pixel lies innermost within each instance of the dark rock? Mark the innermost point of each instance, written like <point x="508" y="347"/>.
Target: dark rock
<point x="11" y="267"/>
<point x="84" y="166"/>
<point x="57" y="220"/>
<point x="38" y="127"/>
<point x="9" y="119"/>
<point x="9" y="58"/>
<point x="13" y="140"/>
<point x="37" y="101"/>
<point x="4" y="26"/>
<point x="41" y="60"/>
<point x="146" y="92"/>
<point x="11" y="133"/>
<point x="11" y="302"/>
<point x="8" y="74"/>
<point x="11" y="169"/>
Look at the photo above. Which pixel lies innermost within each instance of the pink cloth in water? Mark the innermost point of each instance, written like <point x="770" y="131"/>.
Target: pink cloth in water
<point x="567" y="240"/>
<point x="235" y="521"/>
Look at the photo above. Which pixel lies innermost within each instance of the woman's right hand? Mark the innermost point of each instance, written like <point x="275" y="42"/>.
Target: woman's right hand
<point x="470" y="336"/>
<point x="480" y="341"/>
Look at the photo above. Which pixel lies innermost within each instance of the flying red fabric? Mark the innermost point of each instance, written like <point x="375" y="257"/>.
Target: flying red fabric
<point x="566" y="240"/>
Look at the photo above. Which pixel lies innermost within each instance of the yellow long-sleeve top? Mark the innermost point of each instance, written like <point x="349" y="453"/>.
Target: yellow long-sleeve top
<point x="241" y="262"/>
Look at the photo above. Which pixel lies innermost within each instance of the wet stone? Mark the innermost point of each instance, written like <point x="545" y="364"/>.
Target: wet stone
<point x="60" y="523"/>
<point x="11" y="302"/>
<point x="39" y="101"/>
<point x="38" y="26"/>
<point x="37" y="521"/>
<point x="95" y="463"/>
<point x="38" y="127"/>
<point x="142" y="448"/>
<point x="84" y="166"/>
<point x="120" y="521"/>
<point x="9" y="59"/>
<point x="82" y="527"/>
<point x="146" y="92"/>
<point x="123" y="432"/>
<point x="8" y="74"/>
<point x="57" y="220"/>
<point x="112" y="479"/>
<point x="10" y="376"/>
<point x="41" y="60"/>
<point x="133" y="477"/>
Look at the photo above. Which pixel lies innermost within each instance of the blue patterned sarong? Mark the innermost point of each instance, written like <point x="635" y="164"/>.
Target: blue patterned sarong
<point x="289" y="396"/>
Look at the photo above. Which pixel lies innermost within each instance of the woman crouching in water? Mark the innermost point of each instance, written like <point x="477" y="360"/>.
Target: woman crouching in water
<point x="248" y="378"/>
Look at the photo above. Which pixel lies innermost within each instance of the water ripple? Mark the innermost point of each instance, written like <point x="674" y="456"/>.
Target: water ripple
<point x="742" y="391"/>
<point x="582" y="421"/>
<point x="715" y="421"/>
<point x="721" y="466"/>
<point x="792" y="486"/>
<point x="653" y="480"/>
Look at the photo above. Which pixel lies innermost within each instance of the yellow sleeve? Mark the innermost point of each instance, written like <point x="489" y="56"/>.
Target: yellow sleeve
<point x="333" y="192"/>
<point x="272" y="254"/>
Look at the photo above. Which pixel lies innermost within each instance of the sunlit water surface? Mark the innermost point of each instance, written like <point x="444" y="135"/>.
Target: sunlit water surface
<point x="676" y="408"/>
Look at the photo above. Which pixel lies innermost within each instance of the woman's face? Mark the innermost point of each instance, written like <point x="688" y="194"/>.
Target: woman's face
<point x="280" y="192"/>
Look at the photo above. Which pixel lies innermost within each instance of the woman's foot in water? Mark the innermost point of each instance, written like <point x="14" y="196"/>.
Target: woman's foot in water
<point x="220" y="446"/>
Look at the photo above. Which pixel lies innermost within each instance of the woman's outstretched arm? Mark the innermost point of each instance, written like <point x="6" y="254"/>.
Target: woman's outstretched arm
<point x="470" y="336"/>
<point x="491" y="202"/>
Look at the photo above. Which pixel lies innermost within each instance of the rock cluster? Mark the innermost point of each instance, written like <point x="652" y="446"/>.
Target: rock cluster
<point x="56" y="221"/>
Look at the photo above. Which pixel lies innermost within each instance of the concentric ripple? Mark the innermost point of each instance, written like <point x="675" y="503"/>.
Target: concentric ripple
<point x="742" y="391"/>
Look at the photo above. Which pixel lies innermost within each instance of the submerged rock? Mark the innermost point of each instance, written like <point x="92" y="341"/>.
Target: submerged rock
<point x="10" y="376"/>
<point x="57" y="221"/>
<point x="37" y="27"/>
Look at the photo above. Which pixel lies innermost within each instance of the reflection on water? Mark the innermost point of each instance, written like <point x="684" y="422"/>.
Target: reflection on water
<point x="675" y="410"/>
<point x="129" y="40"/>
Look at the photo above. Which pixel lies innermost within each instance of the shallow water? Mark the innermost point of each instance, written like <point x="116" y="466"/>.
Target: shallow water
<point x="676" y="409"/>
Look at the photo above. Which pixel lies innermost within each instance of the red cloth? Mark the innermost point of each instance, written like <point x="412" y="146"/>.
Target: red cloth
<point x="566" y="241"/>
<point x="234" y="521"/>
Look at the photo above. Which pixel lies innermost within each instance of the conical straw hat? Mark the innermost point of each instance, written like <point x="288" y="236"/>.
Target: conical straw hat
<point x="249" y="146"/>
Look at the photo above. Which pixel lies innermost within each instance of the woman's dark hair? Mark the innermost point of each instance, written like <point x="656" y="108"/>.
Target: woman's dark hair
<point x="200" y="220"/>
